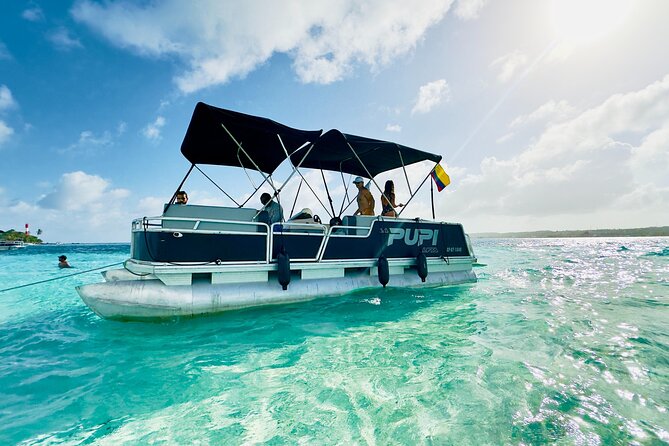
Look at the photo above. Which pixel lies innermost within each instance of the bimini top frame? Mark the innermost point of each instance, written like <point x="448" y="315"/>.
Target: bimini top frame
<point x="223" y="137"/>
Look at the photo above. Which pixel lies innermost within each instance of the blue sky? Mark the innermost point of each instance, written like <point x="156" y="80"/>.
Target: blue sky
<point x="549" y="115"/>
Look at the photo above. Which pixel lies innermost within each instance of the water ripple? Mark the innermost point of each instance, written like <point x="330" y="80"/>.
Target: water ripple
<point x="560" y="342"/>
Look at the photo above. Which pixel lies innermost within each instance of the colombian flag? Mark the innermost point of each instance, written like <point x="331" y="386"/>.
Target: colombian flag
<point x="440" y="177"/>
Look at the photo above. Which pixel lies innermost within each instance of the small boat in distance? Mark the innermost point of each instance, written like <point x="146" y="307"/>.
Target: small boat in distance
<point x="195" y="259"/>
<point x="6" y="245"/>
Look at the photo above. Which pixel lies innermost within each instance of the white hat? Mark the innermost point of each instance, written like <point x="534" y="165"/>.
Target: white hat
<point x="306" y="211"/>
<point x="358" y="180"/>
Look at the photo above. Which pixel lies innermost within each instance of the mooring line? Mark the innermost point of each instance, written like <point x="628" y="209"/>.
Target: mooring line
<point x="59" y="277"/>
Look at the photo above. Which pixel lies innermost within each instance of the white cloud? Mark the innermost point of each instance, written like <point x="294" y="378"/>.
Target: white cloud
<point x="4" y="52"/>
<point x="220" y="41"/>
<point x="80" y="208"/>
<point x="469" y="9"/>
<point x="34" y="14"/>
<point x="152" y="130"/>
<point x="504" y="138"/>
<point x="5" y="132"/>
<point x="89" y="143"/>
<point x="650" y="161"/>
<point x="577" y="173"/>
<point x="6" y="99"/>
<point x="78" y="190"/>
<point x="393" y="128"/>
<point x="61" y="39"/>
<point x="509" y="65"/>
<point x="6" y="102"/>
<point x="551" y="111"/>
<point x="430" y="95"/>
<point x="151" y="206"/>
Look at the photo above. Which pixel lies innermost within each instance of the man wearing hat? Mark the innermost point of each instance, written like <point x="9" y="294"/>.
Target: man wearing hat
<point x="365" y="199"/>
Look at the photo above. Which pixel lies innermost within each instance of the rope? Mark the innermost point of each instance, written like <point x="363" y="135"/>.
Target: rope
<point x="59" y="277"/>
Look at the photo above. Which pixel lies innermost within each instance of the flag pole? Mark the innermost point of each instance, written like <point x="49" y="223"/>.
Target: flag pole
<point x="432" y="197"/>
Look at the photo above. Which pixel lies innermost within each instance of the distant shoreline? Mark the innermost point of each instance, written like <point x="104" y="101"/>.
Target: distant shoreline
<point x="655" y="231"/>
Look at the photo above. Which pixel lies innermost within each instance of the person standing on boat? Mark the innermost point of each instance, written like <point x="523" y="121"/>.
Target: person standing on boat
<point x="272" y="207"/>
<point x="62" y="262"/>
<point x="388" y="200"/>
<point x="365" y="199"/>
<point x="182" y="197"/>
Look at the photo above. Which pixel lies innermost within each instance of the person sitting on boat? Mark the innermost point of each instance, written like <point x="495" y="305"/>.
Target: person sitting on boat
<point x="388" y="200"/>
<point x="62" y="262"/>
<point x="273" y="208"/>
<point x="182" y="197"/>
<point x="365" y="199"/>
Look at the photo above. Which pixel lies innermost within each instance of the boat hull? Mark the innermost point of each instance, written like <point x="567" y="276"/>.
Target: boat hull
<point x="152" y="299"/>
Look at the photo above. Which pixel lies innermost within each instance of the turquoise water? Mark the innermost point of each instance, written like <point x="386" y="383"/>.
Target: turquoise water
<point x="562" y="341"/>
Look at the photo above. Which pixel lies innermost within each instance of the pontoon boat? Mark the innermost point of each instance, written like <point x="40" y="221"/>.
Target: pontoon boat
<point x="6" y="245"/>
<point x="196" y="259"/>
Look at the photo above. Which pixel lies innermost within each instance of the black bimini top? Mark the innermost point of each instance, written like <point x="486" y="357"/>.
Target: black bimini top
<point x="208" y="142"/>
<point x="341" y="152"/>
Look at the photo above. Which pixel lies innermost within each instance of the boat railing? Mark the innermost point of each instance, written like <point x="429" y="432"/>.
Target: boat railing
<point x="290" y="227"/>
<point x="309" y="229"/>
<point x="194" y="224"/>
<point x="363" y="228"/>
<point x="350" y="231"/>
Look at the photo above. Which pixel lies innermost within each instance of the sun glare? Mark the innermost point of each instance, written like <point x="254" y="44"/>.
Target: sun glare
<point x="579" y="21"/>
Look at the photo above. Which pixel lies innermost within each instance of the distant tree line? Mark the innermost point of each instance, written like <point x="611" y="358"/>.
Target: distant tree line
<point x="12" y="235"/>
<point x="656" y="231"/>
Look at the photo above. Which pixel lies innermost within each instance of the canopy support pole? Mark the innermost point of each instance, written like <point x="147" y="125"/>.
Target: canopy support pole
<point x="346" y="197"/>
<point x="297" y="170"/>
<point x="291" y="164"/>
<point x="327" y="191"/>
<point x="296" y="195"/>
<point x="174" y="196"/>
<point x="239" y="146"/>
<point x="219" y="188"/>
<point x="251" y="195"/>
<point x="314" y="192"/>
<point x="404" y="169"/>
<point x="421" y="185"/>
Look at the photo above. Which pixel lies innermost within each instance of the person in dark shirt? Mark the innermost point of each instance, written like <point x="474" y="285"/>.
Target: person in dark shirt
<point x="272" y="207"/>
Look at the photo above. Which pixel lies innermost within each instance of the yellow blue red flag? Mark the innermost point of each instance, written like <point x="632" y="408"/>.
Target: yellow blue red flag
<point x="440" y="177"/>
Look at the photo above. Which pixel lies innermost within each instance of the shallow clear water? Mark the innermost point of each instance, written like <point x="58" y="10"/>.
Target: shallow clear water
<point x="561" y="341"/>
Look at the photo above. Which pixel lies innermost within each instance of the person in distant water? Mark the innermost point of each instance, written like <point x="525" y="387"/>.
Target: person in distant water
<point x="365" y="199"/>
<point x="388" y="200"/>
<point x="182" y="197"/>
<point x="272" y="207"/>
<point x="62" y="262"/>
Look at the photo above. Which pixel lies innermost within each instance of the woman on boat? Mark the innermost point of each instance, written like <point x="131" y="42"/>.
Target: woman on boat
<point x="388" y="200"/>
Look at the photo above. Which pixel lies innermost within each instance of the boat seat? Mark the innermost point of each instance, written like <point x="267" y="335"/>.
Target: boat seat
<point x="193" y="213"/>
<point x="361" y="222"/>
<point x="302" y="226"/>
